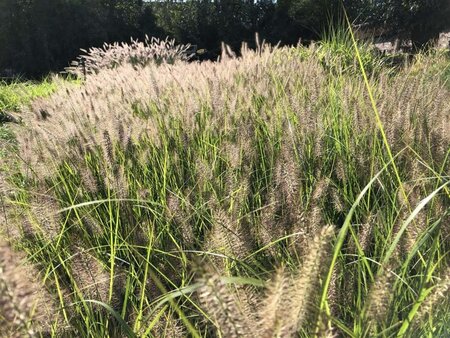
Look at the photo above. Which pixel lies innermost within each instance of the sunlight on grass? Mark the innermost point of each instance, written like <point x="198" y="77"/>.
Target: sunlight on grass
<point x="290" y="192"/>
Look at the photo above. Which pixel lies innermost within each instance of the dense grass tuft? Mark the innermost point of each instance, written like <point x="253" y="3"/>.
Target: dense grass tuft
<point x="255" y="196"/>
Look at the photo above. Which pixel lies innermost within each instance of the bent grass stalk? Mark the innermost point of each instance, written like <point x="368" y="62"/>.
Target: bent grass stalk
<point x="424" y="291"/>
<point x="374" y="108"/>
<point x="275" y="152"/>
<point x="341" y="238"/>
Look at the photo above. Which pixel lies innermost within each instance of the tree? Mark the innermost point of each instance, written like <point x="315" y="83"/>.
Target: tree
<point x="38" y="36"/>
<point x="418" y="20"/>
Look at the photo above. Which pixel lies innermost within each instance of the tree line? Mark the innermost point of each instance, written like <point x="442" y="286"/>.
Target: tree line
<point x="39" y="36"/>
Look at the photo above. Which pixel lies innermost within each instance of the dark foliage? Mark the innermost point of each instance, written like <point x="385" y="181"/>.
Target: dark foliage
<point x="38" y="36"/>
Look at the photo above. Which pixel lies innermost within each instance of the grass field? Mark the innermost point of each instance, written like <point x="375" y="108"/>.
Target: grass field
<point x="290" y="192"/>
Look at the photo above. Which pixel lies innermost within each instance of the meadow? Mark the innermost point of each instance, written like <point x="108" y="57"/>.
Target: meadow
<point x="286" y="192"/>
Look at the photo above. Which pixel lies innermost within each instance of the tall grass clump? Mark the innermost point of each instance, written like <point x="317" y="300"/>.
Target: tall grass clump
<point x="135" y="53"/>
<point x="335" y="52"/>
<point x="255" y="196"/>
